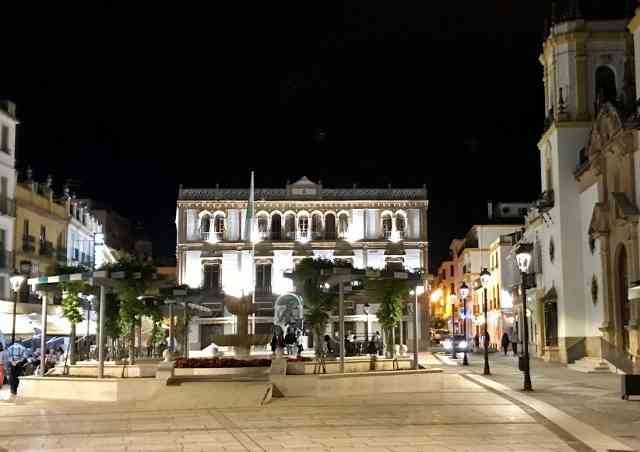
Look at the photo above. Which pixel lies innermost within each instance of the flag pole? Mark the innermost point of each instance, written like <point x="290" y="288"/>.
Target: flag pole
<point x="252" y="201"/>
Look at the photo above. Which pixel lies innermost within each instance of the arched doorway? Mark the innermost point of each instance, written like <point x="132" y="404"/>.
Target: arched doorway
<point x="622" y="295"/>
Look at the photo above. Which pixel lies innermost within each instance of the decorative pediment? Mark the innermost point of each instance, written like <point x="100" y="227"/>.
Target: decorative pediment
<point x="625" y="209"/>
<point x="599" y="221"/>
<point x="304" y="187"/>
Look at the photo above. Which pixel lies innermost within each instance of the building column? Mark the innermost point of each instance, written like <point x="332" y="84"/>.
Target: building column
<point x="608" y="297"/>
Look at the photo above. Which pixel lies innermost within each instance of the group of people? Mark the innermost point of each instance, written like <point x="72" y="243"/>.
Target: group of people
<point x="291" y="342"/>
<point x="505" y="342"/>
<point x="17" y="360"/>
<point x="374" y="346"/>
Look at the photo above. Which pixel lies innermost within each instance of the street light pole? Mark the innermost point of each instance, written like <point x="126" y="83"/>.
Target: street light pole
<point x="16" y="280"/>
<point x="464" y="293"/>
<point x="485" y="277"/>
<point x="415" y="332"/>
<point x="523" y="257"/>
<point x="341" y="314"/>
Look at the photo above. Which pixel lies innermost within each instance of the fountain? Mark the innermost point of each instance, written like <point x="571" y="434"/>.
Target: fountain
<point x="242" y="341"/>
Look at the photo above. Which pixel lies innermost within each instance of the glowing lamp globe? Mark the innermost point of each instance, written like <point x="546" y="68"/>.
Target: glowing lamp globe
<point x="485" y="277"/>
<point x="523" y="256"/>
<point x="16" y="281"/>
<point x="464" y="290"/>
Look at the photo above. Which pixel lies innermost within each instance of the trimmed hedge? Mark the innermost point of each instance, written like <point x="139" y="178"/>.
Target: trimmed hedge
<point x="217" y="362"/>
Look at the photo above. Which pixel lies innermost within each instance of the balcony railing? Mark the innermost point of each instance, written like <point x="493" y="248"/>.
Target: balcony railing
<point x="46" y="248"/>
<point x="29" y="244"/>
<point x="387" y="234"/>
<point x="8" y="207"/>
<point x="61" y="254"/>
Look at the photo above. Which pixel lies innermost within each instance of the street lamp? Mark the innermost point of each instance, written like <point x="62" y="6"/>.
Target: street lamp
<point x="464" y="293"/>
<point x="523" y="257"/>
<point x="485" y="278"/>
<point x="418" y="291"/>
<point x="365" y="309"/>
<point x="16" y="280"/>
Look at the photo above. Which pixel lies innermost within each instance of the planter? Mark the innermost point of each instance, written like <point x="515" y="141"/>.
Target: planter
<point x="364" y="364"/>
<point x="231" y="371"/>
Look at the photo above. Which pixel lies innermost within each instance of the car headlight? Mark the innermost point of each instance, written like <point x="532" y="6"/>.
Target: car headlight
<point x="447" y="344"/>
<point x="462" y="344"/>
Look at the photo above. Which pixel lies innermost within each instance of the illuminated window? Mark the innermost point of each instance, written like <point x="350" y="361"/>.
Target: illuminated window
<point x="263" y="278"/>
<point x="263" y="226"/>
<point x="400" y="225"/>
<point x="290" y="226"/>
<point x="205" y="225"/>
<point x="343" y="225"/>
<point x="387" y="226"/>
<point x="211" y="280"/>
<point x="316" y="226"/>
<point x="218" y="226"/>
<point x="303" y="227"/>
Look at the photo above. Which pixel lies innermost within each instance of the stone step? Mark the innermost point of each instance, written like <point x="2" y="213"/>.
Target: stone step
<point x="590" y="365"/>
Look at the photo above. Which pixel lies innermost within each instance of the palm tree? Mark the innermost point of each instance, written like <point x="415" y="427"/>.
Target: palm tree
<point x="318" y="304"/>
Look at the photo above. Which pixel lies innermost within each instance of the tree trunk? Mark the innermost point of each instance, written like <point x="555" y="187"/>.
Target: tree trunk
<point x="72" y="344"/>
<point x="132" y="344"/>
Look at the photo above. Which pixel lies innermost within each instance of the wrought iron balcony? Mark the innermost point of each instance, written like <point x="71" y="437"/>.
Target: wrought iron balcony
<point x="46" y="248"/>
<point x="29" y="244"/>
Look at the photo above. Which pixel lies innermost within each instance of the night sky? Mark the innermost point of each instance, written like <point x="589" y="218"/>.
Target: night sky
<point x="130" y="101"/>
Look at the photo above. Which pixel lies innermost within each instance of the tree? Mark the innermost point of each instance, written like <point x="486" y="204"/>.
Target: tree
<point x="392" y="293"/>
<point x="71" y="302"/>
<point x="318" y="304"/>
<point x="138" y="276"/>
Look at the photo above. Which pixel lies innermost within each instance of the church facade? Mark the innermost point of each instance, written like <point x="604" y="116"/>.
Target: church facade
<point x="585" y="224"/>
<point x="371" y="228"/>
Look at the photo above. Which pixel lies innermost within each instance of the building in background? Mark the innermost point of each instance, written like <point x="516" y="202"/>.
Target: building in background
<point x="41" y="228"/>
<point x="82" y="228"/>
<point x="372" y="228"/>
<point x="8" y="124"/>
<point x="116" y="237"/>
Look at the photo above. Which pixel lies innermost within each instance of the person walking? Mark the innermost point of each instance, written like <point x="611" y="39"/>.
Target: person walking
<point x="504" y="343"/>
<point x="274" y="343"/>
<point x="487" y="339"/>
<point x="514" y="346"/>
<point x="16" y="357"/>
<point x="476" y="342"/>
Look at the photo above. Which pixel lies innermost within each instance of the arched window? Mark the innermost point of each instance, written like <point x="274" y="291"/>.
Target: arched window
<point x="205" y="226"/>
<point x="387" y="226"/>
<point x="316" y="226"/>
<point x="263" y="226"/>
<point x="330" y="226"/>
<point x="218" y="226"/>
<point x="290" y="226"/>
<point x="401" y="225"/>
<point x="276" y="227"/>
<point x="303" y="227"/>
<point x="606" y="85"/>
<point x="343" y="225"/>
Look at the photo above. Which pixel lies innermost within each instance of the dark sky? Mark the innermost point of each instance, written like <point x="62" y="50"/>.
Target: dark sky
<point x="132" y="100"/>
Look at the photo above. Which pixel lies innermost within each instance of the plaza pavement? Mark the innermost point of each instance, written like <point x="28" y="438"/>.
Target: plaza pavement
<point x="459" y="415"/>
<point x="593" y="399"/>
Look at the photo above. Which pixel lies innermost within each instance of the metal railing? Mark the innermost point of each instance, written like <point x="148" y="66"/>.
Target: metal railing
<point x="28" y="244"/>
<point x="620" y="358"/>
<point x="46" y="248"/>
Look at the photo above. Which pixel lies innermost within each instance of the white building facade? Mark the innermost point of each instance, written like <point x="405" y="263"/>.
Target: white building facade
<point x="8" y="124"/>
<point x="82" y="229"/>
<point x="585" y="225"/>
<point x="372" y="228"/>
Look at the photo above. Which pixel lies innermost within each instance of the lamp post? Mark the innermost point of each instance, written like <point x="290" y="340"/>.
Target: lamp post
<point x="485" y="278"/>
<point x="523" y="257"/>
<point x="418" y="290"/>
<point x="464" y="293"/>
<point x="452" y="298"/>
<point x="365" y="309"/>
<point x="16" y="280"/>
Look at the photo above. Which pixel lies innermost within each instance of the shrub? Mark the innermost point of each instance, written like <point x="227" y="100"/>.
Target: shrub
<point x="217" y="362"/>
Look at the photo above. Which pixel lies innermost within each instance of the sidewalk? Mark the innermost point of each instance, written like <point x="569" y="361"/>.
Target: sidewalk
<point x="591" y="398"/>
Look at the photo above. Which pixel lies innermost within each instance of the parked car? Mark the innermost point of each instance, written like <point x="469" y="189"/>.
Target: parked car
<point x="456" y="344"/>
<point x="439" y="335"/>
